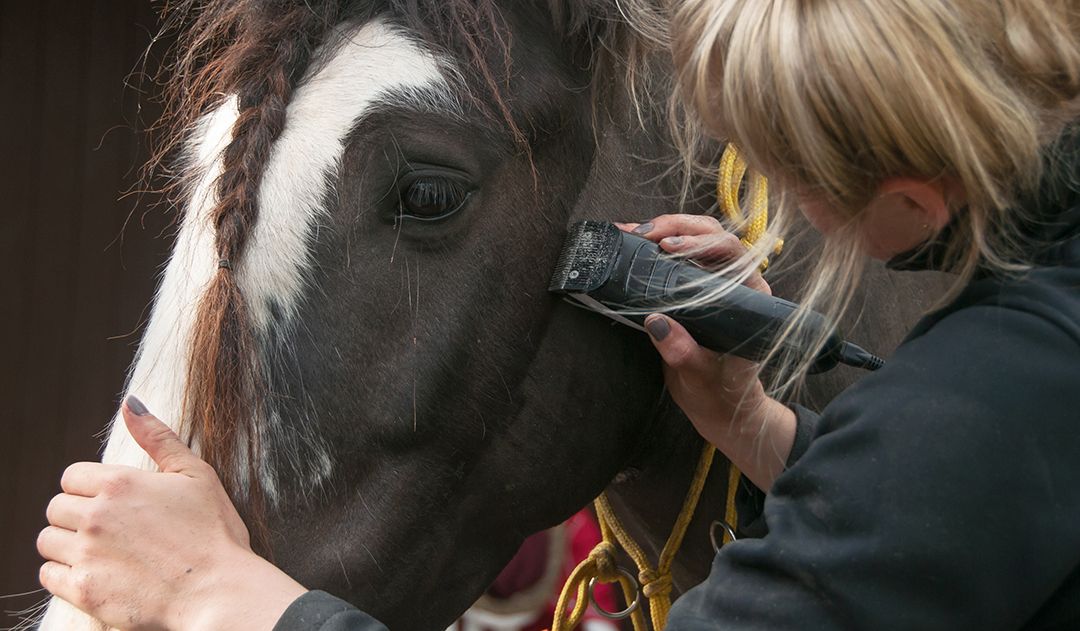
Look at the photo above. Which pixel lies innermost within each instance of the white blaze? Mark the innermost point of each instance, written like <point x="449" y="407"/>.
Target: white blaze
<point x="374" y="59"/>
<point x="303" y="164"/>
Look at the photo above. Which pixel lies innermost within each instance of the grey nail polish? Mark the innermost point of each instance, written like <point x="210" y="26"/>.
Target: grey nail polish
<point x="136" y="406"/>
<point x="644" y="228"/>
<point x="674" y="240"/>
<point x="658" y="328"/>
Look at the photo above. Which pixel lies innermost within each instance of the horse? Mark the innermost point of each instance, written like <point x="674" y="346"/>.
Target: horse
<point x="353" y="326"/>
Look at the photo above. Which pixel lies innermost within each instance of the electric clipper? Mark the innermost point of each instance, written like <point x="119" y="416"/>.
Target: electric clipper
<point x="626" y="277"/>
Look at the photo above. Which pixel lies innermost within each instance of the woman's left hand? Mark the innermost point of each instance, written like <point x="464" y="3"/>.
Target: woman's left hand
<point x="721" y="395"/>
<point x="701" y="238"/>
<point x="157" y="550"/>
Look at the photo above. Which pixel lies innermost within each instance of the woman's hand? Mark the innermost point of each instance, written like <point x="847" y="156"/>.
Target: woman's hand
<point x="721" y="395"/>
<point x="148" y="550"/>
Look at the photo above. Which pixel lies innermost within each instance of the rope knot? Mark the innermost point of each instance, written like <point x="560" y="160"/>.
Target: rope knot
<point x="603" y="557"/>
<point x="653" y="585"/>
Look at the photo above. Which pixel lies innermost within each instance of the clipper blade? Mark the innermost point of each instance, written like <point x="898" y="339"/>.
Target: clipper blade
<point x="587" y="257"/>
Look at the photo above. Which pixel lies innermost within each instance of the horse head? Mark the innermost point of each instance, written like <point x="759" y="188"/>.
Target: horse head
<point x="421" y="403"/>
<point x="433" y="404"/>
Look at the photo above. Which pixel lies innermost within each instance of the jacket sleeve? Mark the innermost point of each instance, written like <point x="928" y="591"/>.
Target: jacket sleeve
<point x="938" y="493"/>
<point x="319" y="611"/>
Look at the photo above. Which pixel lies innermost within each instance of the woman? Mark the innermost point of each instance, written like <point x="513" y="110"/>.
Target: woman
<point x="939" y="492"/>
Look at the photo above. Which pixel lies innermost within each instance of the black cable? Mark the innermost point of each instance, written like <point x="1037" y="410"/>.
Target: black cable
<point x="854" y="355"/>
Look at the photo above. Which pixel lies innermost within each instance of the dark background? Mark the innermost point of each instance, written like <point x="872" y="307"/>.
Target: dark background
<point x="78" y="263"/>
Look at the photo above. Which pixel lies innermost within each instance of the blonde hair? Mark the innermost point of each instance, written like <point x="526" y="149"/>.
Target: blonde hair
<point x="830" y="97"/>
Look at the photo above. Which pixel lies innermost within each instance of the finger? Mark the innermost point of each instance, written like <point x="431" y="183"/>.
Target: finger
<point x="67" y="511"/>
<point x="722" y="246"/>
<point x="56" y="577"/>
<point x="159" y="441"/>
<point x="676" y="346"/>
<point x="679" y="224"/>
<point x="715" y="249"/>
<point x="88" y="478"/>
<point x="71" y="585"/>
<point x="58" y="544"/>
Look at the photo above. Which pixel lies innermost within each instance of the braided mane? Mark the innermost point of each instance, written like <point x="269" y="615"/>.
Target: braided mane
<point x="258" y="51"/>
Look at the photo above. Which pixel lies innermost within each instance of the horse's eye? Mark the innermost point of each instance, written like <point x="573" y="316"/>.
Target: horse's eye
<point x="431" y="197"/>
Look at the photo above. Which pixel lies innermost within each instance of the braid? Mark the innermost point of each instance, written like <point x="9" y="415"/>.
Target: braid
<point x="269" y="45"/>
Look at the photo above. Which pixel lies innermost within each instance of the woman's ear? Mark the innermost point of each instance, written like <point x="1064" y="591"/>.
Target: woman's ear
<point x="904" y="213"/>
<point x="924" y="202"/>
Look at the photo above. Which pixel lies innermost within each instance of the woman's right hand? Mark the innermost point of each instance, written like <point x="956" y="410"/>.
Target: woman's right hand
<point x="720" y="394"/>
<point x="157" y="550"/>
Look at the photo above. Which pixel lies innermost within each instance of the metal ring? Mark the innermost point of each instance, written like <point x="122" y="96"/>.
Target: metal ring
<point x="712" y="533"/>
<point x="618" y="615"/>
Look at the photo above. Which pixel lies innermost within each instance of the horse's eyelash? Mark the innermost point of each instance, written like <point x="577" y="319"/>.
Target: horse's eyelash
<point x="433" y="191"/>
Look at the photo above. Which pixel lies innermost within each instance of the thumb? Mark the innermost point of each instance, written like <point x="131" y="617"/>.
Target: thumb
<point x="159" y="440"/>
<point x="677" y="347"/>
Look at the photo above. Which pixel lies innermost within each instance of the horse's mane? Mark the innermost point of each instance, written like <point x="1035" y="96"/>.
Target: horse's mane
<point x="258" y="51"/>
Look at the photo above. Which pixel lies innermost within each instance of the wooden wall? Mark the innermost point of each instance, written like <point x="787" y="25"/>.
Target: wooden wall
<point x="77" y="263"/>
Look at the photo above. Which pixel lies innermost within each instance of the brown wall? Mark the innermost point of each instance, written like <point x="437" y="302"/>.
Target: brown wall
<point x="75" y="278"/>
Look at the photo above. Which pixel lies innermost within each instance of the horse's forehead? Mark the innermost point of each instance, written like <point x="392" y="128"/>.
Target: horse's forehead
<point x="365" y="66"/>
<point x="356" y="73"/>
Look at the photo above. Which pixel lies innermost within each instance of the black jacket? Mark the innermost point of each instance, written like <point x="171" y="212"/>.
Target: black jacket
<point x="940" y="492"/>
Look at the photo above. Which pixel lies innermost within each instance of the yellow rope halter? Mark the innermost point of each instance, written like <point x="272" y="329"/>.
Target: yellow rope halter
<point x="601" y="565"/>
<point x="754" y="225"/>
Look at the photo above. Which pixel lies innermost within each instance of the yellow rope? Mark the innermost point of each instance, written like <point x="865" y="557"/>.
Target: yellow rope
<point x="753" y="226"/>
<point x="732" y="171"/>
<point x="601" y="563"/>
<point x="731" y="514"/>
<point x="655" y="582"/>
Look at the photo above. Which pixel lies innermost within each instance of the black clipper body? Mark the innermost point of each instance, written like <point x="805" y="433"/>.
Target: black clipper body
<point x="630" y="277"/>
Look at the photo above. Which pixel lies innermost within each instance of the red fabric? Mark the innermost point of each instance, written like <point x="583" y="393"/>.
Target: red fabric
<point x="530" y="562"/>
<point x="525" y="569"/>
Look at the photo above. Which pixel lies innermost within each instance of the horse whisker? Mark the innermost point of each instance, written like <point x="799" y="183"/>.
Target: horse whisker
<point x="344" y="572"/>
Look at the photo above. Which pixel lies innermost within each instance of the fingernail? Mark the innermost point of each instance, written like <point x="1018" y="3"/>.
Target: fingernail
<point x="673" y="241"/>
<point x="644" y="228"/>
<point x="658" y="327"/>
<point x="136" y="406"/>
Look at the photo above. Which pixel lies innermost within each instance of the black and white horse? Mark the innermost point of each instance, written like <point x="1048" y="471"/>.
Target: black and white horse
<point x="427" y="403"/>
